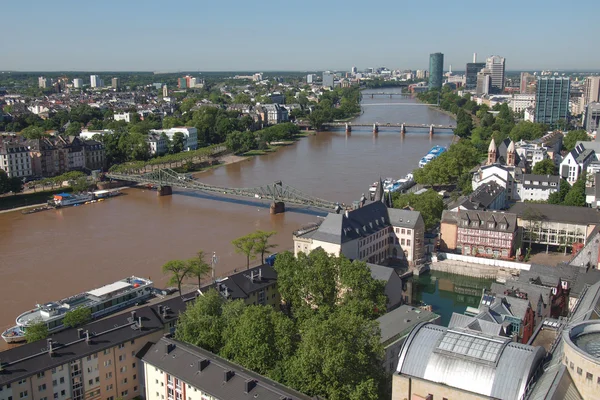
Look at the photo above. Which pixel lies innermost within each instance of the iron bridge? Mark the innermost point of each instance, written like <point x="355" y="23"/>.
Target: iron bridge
<point x="277" y="191"/>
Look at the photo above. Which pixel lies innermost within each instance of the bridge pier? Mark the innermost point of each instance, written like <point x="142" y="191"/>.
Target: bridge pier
<point x="375" y="129"/>
<point x="277" y="207"/>
<point x="348" y="128"/>
<point x="403" y="130"/>
<point x="164" y="190"/>
<point x="430" y="130"/>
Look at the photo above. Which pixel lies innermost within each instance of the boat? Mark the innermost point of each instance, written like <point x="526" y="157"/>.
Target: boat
<point x="37" y="209"/>
<point x="103" y="194"/>
<point x="103" y="301"/>
<point x="434" y="153"/>
<point x="67" y="199"/>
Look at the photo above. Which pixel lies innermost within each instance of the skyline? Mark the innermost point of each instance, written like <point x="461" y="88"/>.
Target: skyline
<point x="149" y="36"/>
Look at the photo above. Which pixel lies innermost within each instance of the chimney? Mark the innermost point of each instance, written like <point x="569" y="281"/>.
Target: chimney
<point x="133" y="315"/>
<point x="79" y="333"/>
<point x="49" y="342"/>
<point x="227" y="375"/>
<point x="140" y="322"/>
<point x="202" y="364"/>
<point x="474" y="57"/>
<point x="249" y="385"/>
<point x="87" y="336"/>
<point x="169" y="347"/>
<point x="260" y="274"/>
<point x="346" y="213"/>
<point x="160" y="309"/>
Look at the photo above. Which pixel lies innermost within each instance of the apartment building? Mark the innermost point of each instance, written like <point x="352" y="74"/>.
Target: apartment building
<point x="175" y="370"/>
<point x="15" y="160"/>
<point x="95" y="362"/>
<point x="537" y="187"/>
<point x="576" y="162"/>
<point x="190" y="135"/>
<point x="157" y="145"/>
<point x="371" y="233"/>
<point x="57" y="155"/>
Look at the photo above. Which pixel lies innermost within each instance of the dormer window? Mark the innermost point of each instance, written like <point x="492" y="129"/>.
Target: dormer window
<point x="502" y="226"/>
<point x="491" y="225"/>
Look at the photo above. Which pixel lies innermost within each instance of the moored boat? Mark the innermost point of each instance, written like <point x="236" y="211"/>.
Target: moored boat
<point x="434" y="153"/>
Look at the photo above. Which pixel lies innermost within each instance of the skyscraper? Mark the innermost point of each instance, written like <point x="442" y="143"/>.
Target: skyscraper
<point x="354" y="71"/>
<point x="484" y="82"/>
<point x="436" y="70"/>
<point x="95" y="81"/>
<point x="496" y="66"/>
<point x="327" y="79"/>
<point x="471" y="74"/>
<point x="44" y="82"/>
<point x="526" y="80"/>
<point x="115" y="83"/>
<point x="592" y="89"/>
<point x="165" y="90"/>
<point x="552" y="101"/>
<point x="77" y="83"/>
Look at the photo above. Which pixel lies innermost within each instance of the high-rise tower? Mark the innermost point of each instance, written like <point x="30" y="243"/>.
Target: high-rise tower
<point x="436" y="70"/>
<point x="496" y="66"/>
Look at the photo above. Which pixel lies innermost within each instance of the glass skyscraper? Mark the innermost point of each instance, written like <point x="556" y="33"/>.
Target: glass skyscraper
<point x="552" y="101"/>
<point x="471" y="74"/>
<point x="436" y="70"/>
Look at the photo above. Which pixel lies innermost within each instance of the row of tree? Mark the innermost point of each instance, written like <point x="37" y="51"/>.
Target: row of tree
<point x="326" y="343"/>
<point x="241" y="142"/>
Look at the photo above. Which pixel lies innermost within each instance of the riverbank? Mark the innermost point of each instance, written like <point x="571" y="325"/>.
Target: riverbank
<point x="28" y="200"/>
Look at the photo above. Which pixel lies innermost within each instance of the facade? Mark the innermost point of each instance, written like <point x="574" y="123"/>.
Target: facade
<point x="395" y="327"/>
<point x="174" y="370"/>
<point x="275" y="113"/>
<point x="96" y="362"/>
<point x="521" y="102"/>
<point x="504" y="166"/>
<point x="328" y="79"/>
<point x="189" y="133"/>
<point x="437" y="363"/>
<point x="309" y="78"/>
<point x="471" y="74"/>
<point x="371" y="233"/>
<point x="537" y="187"/>
<point x="533" y="153"/>
<point x="527" y="84"/>
<point x="125" y="116"/>
<point x="576" y="162"/>
<point x="591" y="91"/>
<point x="552" y="99"/>
<point x="15" y="160"/>
<point x="486" y="233"/>
<point x="436" y="70"/>
<point x="44" y="82"/>
<point x="157" y="145"/>
<point x="484" y="82"/>
<point x="488" y="196"/>
<point x="582" y="357"/>
<point x="592" y="117"/>
<point x="115" y="83"/>
<point x="95" y="81"/>
<point x="77" y="83"/>
<point x="496" y="66"/>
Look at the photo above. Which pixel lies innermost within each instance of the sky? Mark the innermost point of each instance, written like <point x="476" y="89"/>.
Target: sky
<point x="308" y="35"/>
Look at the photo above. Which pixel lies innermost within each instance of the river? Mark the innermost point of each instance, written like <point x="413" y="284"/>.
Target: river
<point x="55" y="254"/>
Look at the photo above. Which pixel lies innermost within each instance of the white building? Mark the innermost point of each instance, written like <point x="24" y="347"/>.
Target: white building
<point x="15" y="160"/>
<point x="87" y="134"/>
<point x="189" y="133"/>
<point x="275" y="113"/>
<point x="38" y="109"/>
<point x="532" y="153"/>
<point x="537" y="187"/>
<point x="122" y="117"/>
<point x="157" y="144"/>
<point x="96" y="82"/>
<point x="521" y="102"/>
<point x="529" y="114"/>
<point x="496" y="66"/>
<point x="77" y="83"/>
<point x="576" y="162"/>
<point x="44" y="82"/>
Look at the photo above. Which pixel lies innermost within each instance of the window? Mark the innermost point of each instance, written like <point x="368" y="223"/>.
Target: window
<point x="107" y="363"/>
<point x="408" y="242"/>
<point x="110" y="398"/>
<point x="54" y="383"/>
<point x="42" y="387"/>
<point x="109" y="387"/>
<point x="133" y="353"/>
<point x="97" y="379"/>
<point x="135" y="388"/>
<point x="408" y="231"/>
<point x="91" y="382"/>
<point x="589" y="376"/>
<point x="121" y="345"/>
<point x="124" y="381"/>
<point x="56" y="395"/>
<point x="22" y="381"/>
<point x="123" y="369"/>
<point x="62" y="392"/>
<point x="579" y="371"/>
<point x="107" y="351"/>
<point x="40" y="374"/>
<point x="62" y="380"/>
<point x="108" y="375"/>
<point x="121" y="357"/>
<point x="23" y="394"/>
<point x="134" y="376"/>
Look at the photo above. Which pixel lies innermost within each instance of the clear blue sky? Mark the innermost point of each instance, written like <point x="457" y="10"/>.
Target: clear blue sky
<point x="205" y="35"/>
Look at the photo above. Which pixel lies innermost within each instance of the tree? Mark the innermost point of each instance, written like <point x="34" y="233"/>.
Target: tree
<point x="559" y="196"/>
<point x="544" y="167"/>
<point x="576" y="195"/>
<point x="80" y="185"/>
<point x="33" y="132"/>
<point x="77" y="317"/>
<point x="201" y="323"/>
<point x="8" y="185"/>
<point x="36" y="331"/>
<point x="429" y="204"/>
<point x="178" y="271"/>
<point x="198" y="267"/>
<point x="74" y="129"/>
<point x="245" y="245"/>
<point x="262" y="245"/>
<point x="526" y="130"/>
<point x="178" y="143"/>
<point x="572" y="137"/>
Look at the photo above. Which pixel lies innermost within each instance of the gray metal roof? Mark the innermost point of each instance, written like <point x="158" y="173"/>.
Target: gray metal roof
<point x="404" y="218"/>
<point x="206" y="371"/>
<point x="555" y="213"/>
<point x="488" y="365"/>
<point x="398" y="323"/>
<point x="476" y="324"/>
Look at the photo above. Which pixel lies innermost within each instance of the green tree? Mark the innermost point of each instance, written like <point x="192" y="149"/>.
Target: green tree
<point x="80" y="185"/>
<point x="201" y="323"/>
<point x="559" y="196"/>
<point x="245" y="245"/>
<point x="544" y="167"/>
<point x="526" y="130"/>
<point x="572" y="137"/>
<point x="74" y="129"/>
<point x="199" y="268"/>
<point x="576" y="195"/>
<point x="33" y="132"/>
<point x="36" y="331"/>
<point x="429" y="204"/>
<point x="262" y="245"/>
<point x="178" y="271"/>
<point x="178" y="142"/>
<point x="77" y="317"/>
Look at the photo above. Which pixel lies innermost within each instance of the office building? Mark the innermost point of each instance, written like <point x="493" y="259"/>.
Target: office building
<point x="592" y="117"/>
<point x="421" y="74"/>
<point x="77" y="83"/>
<point x="95" y="81"/>
<point x="309" y="78"/>
<point x="354" y="70"/>
<point x="521" y="102"/>
<point x="471" y="74"/>
<point x="165" y="91"/>
<point x="115" y="83"/>
<point x="496" y="66"/>
<point x="552" y="99"/>
<point x="591" y="89"/>
<point x="484" y="82"/>
<point x="44" y="82"/>
<point x="328" y="79"/>
<point x="436" y="70"/>
<point x="527" y="84"/>
<point x="190" y="135"/>
<point x="182" y="83"/>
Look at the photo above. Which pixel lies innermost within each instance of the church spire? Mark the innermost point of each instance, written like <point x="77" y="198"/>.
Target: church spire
<point x="491" y="153"/>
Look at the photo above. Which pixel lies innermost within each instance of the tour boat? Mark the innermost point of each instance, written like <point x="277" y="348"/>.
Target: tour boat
<point x="434" y="153"/>
<point x="67" y="199"/>
<point x="101" y="302"/>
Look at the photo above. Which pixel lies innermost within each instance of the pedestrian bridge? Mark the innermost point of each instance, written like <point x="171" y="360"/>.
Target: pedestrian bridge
<point x="165" y="179"/>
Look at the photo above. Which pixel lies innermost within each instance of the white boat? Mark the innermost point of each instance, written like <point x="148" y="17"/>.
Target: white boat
<point x="101" y="302"/>
<point x="434" y="153"/>
<point x="67" y="199"/>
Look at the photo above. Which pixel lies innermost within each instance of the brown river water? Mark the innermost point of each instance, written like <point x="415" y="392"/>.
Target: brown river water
<point x="55" y="254"/>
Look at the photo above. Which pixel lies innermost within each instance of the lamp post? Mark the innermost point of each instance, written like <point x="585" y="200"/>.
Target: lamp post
<point x="213" y="261"/>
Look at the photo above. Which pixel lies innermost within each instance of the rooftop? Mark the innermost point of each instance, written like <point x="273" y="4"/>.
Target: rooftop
<point x="398" y="323"/>
<point x="214" y="375"/>
<point x="556" y="213"/>
<point x="242" y="284"/>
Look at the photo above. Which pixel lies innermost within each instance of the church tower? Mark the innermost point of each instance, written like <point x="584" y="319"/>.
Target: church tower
<point x="511" y="154"/>
<point x="491" y="153"/>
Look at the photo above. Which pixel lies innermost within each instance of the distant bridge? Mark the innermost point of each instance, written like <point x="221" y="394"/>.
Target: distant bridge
<point x="376" y="126"/>
<point x="165" y="179"/>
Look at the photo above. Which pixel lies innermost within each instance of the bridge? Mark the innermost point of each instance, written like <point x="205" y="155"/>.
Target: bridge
<point x="390" y="94"/>
<point x="165" y="179"/>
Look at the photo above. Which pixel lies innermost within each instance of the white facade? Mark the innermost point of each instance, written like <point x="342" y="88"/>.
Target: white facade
<point x="77" y="83"/>
<point x="521" y="102"/>
<point x="122" y="117"/>
<point x="575" y="163"/>
<point x="537" y="187"/>
<point x="189" y="133"/>
<point x="156" y="144"/>
<point x="85" y="134"/>
<point x="496" y="66"/>
<point x="529" y="115"/>
<point x="15" y="160"/>
<point x="44" y="82"/>
<point x="532" y="153"/>
<point x="95" y="81"/>
<point x="499" y="174"/>
<point x="592" y="89"/>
